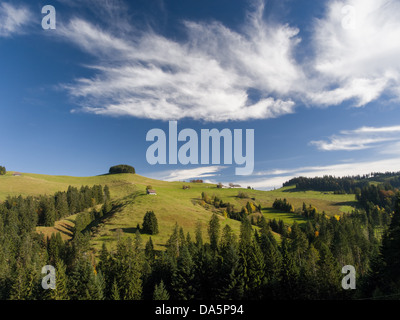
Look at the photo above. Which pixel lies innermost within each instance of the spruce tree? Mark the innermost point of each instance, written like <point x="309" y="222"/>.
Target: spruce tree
<point x="160" y="292"/>
<point x="205" y="273"/>
<point x="256" y="272"/>
<point x="149" y="251"/>
<point x="308" y="279"/>
<point x="214" y="232"/>
<point x="98" y="286"/>
<point x="289" y="272"/>
<point x="272" y="259"/>
<point x="329" y="274"/>
<point x="246" y="233"/>
<point x="199" y="235"/>
<point x="128" y="270"/>
<point x="173" y="243"/>
<point x="182" y="280"/>
<point x="19" y="286"/>
<point x="230" y="284"/>
<point x="115" y="291"/>
<point x="383" y="278"/>
<point x="228" y="238"/>
<point x="61" y="290"/>
<point x="298" y="244"/>
<point x="150" y="223"/>
<point x="107" y="196"/>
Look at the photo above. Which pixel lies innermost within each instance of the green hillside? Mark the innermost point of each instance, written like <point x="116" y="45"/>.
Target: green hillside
<point x="172" y="204"/>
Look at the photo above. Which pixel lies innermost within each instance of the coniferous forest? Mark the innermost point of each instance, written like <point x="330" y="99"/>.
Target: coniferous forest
<point x="305" y="262"/>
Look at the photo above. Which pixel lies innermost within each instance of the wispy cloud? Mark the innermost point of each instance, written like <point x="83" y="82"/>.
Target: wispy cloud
<point x="267" y="182"/>
<point x="359" y="139"/>
<point x="186" y="174"/>
<point x="211" y="74"/>
<point x="13" y="19"/>
<point x="208" y="76"/>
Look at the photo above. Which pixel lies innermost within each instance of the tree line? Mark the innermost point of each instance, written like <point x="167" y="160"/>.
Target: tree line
<point x="328" y="183"/>
<point x="3" y="171"/>
<point x="44" y="210"/>
<point x="349" y="184"/>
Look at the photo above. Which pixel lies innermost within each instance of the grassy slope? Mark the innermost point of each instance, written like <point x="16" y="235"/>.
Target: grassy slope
<point x="171" y="204"/>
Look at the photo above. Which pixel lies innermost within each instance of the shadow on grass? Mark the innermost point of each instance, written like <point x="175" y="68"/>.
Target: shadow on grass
<point x="126" y="230"/>
<point x="116" y="207"/>
<point x="68" y="230"/>
<point x="296" y="190"/>
<point x="346" y="203"/>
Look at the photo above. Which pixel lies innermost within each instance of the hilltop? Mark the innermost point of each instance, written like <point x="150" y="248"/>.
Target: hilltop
<point x="172" y="204"/>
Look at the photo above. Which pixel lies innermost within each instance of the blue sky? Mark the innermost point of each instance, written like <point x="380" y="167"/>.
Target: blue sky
<point x="318" y="81"/>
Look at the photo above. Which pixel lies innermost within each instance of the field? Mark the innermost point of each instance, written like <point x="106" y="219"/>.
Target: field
<point x="172" y="204"/>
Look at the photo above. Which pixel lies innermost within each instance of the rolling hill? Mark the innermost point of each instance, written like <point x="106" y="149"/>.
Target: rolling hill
<point x="172" y="204"/>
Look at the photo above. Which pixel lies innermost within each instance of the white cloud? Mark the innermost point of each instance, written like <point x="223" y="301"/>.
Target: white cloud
<point x="186" y="174"/>
<point x="212" y="74"/>
<point x="207" y="77"/>
<point x="356" y="51"/>
<point x="359" y="139"/>
<point x="338" y="170"/>
<point x="13" y="19"/>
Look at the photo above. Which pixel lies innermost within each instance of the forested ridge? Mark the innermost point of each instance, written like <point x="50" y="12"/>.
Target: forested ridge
<point x="349" y="184"/>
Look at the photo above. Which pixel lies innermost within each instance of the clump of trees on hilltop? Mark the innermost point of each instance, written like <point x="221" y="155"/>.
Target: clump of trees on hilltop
<point x="3" y="171"/>
<point x="122" y="168"/>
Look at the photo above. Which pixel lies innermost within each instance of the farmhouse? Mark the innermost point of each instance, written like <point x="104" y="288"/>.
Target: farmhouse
<point x="151" y="192"/>
<point x="16" y="174"/>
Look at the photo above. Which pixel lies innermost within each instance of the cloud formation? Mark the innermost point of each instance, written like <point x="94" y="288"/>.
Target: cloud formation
<point x="359" y="139"/>
<point x="13" y="19"/>
<point x="220" y="74"/>
<point x="356" y="51"/>
<point x="186" y="174"/>
<point x="209" y="77"/>
<point x="268" y="182"/>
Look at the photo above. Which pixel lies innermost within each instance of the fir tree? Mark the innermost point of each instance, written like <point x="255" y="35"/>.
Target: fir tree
<point x="61" y="290"/>
<point x="115" y="291"/>
<point x="182" y="280"/>
<point x="329" y="274"/>
<point x="19" y="286"/>
<point x="273" y="263"/>
<point x="289" y="272"/>
<point x="256" y="272"/>
<point x="173" y="243"/>
<point x="214" y="232"/>
<point x="98" y="286"/>
<point x="149" y="250"/>
<point x="230" y="284"/>
<point x="199" y="235"/>
<point x="150" y="224"/>
<point x="107" y="196"/>
<point x="228" y="238"/>
<point x="160" y="292"/>
<point x="128" y="271"/>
